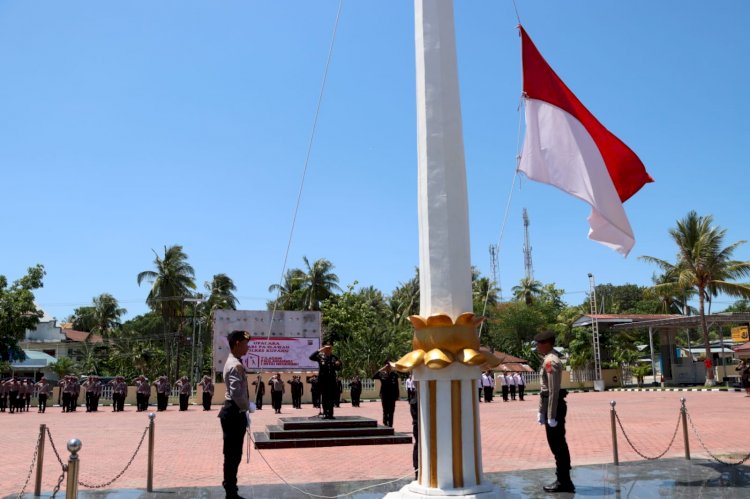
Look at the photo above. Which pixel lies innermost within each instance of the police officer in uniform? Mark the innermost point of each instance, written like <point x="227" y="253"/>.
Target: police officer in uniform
<point x="296" y="389"/>
<point x="314" y="390"/>
<point x="186" y="390"/>
<point x="260" y="390"/>
<point x="276" y="385"/>
<point x="389" y="391"/>
<point x="3" y="395"/>
<point x="328" y="364"/>
<point x="356" y="390"/>
<point x="43" y="393"/>
<point x="208" y="392"/>
<point x="552" y="411"/>
<point x="233" y="413"/>
<point x="162" y="393"/>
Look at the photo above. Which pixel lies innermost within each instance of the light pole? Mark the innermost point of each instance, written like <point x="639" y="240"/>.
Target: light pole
<point x="195" y="302"/>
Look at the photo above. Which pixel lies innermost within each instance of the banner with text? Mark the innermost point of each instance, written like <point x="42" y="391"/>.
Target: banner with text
<point x="282" y="344"/>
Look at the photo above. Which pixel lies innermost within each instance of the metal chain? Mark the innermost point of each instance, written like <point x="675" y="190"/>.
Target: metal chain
<point x="714" y="457"/>
<point x="105" y="484"/>
<point x="617" y="416"/>
<point x="31" y="468"/>
<point x="60" y="481"/>
<point x="52" y="442"/>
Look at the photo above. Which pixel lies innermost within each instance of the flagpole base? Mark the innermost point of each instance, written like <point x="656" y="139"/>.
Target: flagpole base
<point x="416" y="491"/>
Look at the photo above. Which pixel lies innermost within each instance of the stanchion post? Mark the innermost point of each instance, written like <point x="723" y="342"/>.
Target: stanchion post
<point x="71" y="490"/>
<point x="612" y="417"/>
<point x="40" y="461"/>
<point x="683" y="411"/>
<point x="150" y="474"/>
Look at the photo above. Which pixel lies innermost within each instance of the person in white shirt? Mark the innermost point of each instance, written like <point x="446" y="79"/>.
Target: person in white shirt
<point x="488" y="384"/>
<point x="505" y="382"/>
<point x="520" y="384"/>
<point x="512" y="386"/>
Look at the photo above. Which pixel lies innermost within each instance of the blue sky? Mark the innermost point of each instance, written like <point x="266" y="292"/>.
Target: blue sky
<point x="125" y="127"/>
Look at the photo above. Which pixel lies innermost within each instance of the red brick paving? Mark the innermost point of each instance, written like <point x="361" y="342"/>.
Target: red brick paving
<point x="188" y="445"/>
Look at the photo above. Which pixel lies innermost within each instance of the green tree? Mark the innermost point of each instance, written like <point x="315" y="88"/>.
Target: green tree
<point x="513" y="325"/>
<point x="319" y="283"/>
<point x="290" y="295"/>
<point x="83" y="318"/>
<point x="404" y="301"/>
<point x="171" y="282"/>
<point x="64" y="366"/>
<point x="221" y="293"/>
<point x="527" y="290"/>
<point x="706" y="265"/>
<point x="18" y="311"/>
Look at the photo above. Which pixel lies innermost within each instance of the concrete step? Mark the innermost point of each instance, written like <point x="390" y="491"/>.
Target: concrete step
<point x="262" y="441"/>
<point x="315" y="422"/>
<point x="278" y="432"/>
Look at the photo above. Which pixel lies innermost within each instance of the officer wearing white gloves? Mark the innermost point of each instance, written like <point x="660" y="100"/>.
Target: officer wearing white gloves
<point x="552" y="410"/>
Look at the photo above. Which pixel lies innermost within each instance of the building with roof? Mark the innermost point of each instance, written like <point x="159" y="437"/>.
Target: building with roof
<point x="48" y="342"/>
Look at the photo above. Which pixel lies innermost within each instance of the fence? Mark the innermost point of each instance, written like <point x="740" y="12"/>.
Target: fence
<point x="684" y="420"/>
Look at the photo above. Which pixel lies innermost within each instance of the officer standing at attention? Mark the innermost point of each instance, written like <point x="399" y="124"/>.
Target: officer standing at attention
<point x="208" y="392"/>
<point x="260" y="390"/>
<point x="89" y="386"/>
<point x="520" y="383"/>
<point x="328" y="364"/>
<point x="186" y="390"/>
<point x="389" y="391"/>
<point x="314" y="390"/>
<point x="552" y="410"/>
<point x="3" y="395"/>
<point x="276" y="385"/>
<point x="355" y="386"/>
<point x="296" y="389"/>
<point x="233" y="414"/>
<point x="162" y="393"/>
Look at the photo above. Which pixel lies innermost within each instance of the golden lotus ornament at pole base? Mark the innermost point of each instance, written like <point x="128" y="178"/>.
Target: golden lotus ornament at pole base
<point x="439" y="341"/>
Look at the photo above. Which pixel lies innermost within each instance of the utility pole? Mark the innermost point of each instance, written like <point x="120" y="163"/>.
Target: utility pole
<point x="528" y="266"/>
<point x="598" y="382"/>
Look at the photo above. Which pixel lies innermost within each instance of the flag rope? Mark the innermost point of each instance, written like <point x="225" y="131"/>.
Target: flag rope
<point x="304" y="175"/>
<point x="507" y="208"/>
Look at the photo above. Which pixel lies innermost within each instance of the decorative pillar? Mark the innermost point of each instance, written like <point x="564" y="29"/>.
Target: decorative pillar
<point x="446" y="356"/>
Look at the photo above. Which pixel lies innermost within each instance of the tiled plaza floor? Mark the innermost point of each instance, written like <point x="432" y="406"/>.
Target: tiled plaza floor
<point x="188" y="448"/>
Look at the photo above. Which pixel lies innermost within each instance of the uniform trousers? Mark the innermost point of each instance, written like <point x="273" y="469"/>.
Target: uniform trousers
<point x="481" y="391"/>
<point x="512" y="392"/>
<point x="276" y="400"/>
<point x="207" y="401"/>
<point x="414" y="410"/>
<point x="95" y="403"/>
<point x="488" y="394"/>
<point x="89" y="401"/>
<point x="296" y="399"/>
<point x="65" y="402"/>
<point x="505" y="393"/>
<point x="28" y="401"/>
<point x="356" y="394"/>
<point x="42" y="402"/>
<point x="315" y="398"/>
<point x="184" y="401"/>
<point x="120" y="402"/>
<point x="328" y="396"/>
<point x="389" y="406"/>
<point x="259" y="401"/>
<point x="521" y="388"/>
<point x="162" y="399"/>
<point x="3" y="402"/>
<point x="233" y="424"/>
<point x="558" y="445"/>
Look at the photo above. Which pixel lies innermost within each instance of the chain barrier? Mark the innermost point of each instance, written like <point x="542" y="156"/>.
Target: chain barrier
<point x="59" y="460"/>
<point x="713" y="456"/>
<point x="106" y="484"/>
<point x="617" y="416"/>
<point x="31" y="468"/>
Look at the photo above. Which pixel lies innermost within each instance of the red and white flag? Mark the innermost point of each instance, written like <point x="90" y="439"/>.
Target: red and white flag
<point x="566" y="146"/>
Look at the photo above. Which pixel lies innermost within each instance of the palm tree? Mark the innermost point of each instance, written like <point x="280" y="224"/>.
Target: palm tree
<point x="527" y="288"/>
<point x="404" y="301"/>
<point x="171" y="282"/>
<point x="289" y="294"/>
<point x="106" y="314"/>
<point x="318" y="283"/>
<point x="221" y="293"/>
<point x="705" y="265"/>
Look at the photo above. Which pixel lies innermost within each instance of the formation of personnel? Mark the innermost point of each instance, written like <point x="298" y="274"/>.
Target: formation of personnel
<point x="16" y="393"/>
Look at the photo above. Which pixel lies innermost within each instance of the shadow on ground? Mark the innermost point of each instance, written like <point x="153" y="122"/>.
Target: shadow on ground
<point x="642" y="479"/>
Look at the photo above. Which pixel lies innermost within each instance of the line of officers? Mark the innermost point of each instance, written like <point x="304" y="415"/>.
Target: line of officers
<point x="16" y="393"/>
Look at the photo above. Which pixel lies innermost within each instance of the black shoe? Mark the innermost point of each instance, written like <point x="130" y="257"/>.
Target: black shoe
<point x="559" y="487"/>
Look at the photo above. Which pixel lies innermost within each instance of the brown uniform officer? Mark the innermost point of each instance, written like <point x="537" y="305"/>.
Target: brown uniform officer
<point x="552" y="411"/>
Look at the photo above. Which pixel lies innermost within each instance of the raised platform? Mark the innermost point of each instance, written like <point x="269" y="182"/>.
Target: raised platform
<point x="296" y="432"/>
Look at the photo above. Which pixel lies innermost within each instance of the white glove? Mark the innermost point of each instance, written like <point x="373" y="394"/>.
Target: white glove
<point x="552" y="423"/>
<point x="541" y="418"/>
<point x="251" y="407"/>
